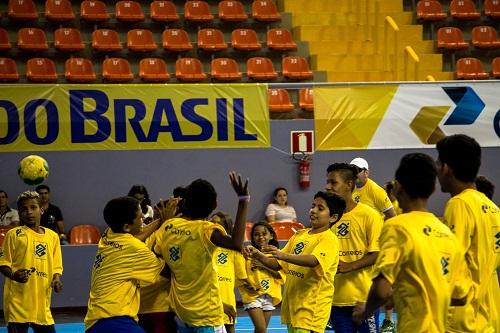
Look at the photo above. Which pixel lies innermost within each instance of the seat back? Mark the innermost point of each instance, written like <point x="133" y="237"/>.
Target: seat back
<point x="141" y="40"/>
<point x="153" y="70"/>
<point x="198" y="11"/>
<point x="280" y="39"/>
<point x="32" y="39"/>
<point x="176" y="40"/>
<point x="8" y="70"/>
<point x="22" y="10"/>
<point x="41" y="70"/>
<point x="59" y="10"/>
<point x="163" y="11"/>
<point x="4" y="40"/>
<point x="470" y="68"/>
<point x="265" y="10"/>
<point x="117" y="70"/>
<point x="495" y="67"/>
<point x="84" y="234"/>
<point x="245" y="39"/>
<point x="450" y="37"/>
<point x="225" y="69"/>
<point x="465" y="9"/>
<point x="484" y="35"/>
<point x="260" y="68"/>
<point x="296" y="67"/>
<point x="93" y="10"/>
<point x="426" y="9"/>
<point x="306" y="99"/>
<point x="232" y="10"/>
<point x="285" y="230"/>
<point x="492" y="8"/>
<point x="68" y="39"/>
<point x="79" y="70"/>
<point x="106" y="40"/>
<point x="279" y="100"/>
<point x="185" y="66"/>
<point x="129" y="11"/>
<point x="211" y="39"/>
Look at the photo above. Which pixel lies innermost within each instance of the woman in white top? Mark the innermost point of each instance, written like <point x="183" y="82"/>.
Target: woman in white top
<point x="140" y="193"/>
<point x="279" y="210"/>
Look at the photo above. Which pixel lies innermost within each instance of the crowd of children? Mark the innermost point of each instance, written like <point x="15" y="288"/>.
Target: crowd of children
<point x="179" y="273"/>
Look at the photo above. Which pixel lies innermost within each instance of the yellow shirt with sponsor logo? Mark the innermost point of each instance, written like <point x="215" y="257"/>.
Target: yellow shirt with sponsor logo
<point x="424" y="262"/>
<point x="194" y="291"/>
<point x="475" y="220"/>
<point x="373" y="195"/>
<point x="307" y="298"/>
<point x="358" y="232"/>
<point x="121" y="266"/>
<point x="23" y="248"/>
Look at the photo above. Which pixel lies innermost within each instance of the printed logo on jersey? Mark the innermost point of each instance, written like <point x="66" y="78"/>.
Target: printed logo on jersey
<point x="343" y="229"/>
<point x="434" y="233"/>
<point x="174" y="253"/>
<point x="357" y="198"/>
<point x="40" y="250"/>
<point x="99" y="258"/>
<point x="222" y="258"/>
<point x="299" y="248"/>
<point x="497" y="240"/>
<point x="264" y="284"/>
<point x="445" y="262"/>
<point x="19" y="232"/>
<point x="177" y="231"/>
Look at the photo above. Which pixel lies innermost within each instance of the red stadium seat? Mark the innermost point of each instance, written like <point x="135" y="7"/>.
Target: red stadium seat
<point x="79" y="70"/>
<point x="106" y="40"/>
<point x="59" y="10"/>
<point x="153" y="70"/>
<point x="84" y="234"/>
<point x="285" y="230"/>
<point x="279" y="100"/>
<point x="176" y="40"/>
<point x="492" y="8"/>
<point x="211" y="40"/>
<point x="163" y="11"/>
<point x="197" y="11"/>
<point x="41" y="70"/>
<point x="470" y="69"/>
<point x="451" y="38"/>
<point x="129" y="11"/>
<point x="117" y="70"/>
<point x="94" y="10"/>
<point x="68" y="39"/>
<point x="430" y="10"/>
<point x="265" y="10"/>
<point x="495" y="68"/>
<point x="280" y="39"/>
<point x="189" y="70"/>
<point x="464" y="10"/>
<point x="32" y="39"/>
<point x="22" y="10"/>
<point x="8" y="70"/>
<point x="245" y="40"/>
<point x="261" y="68"/>
<point x="232" y="11"/>
<point x="485" y="37"/>
<point x="225" y="69"/>
<point x="296" y="68"/>
<point x="4" y="40"/>
<point x="306" y="101"/>
<point x="141" y="40"/>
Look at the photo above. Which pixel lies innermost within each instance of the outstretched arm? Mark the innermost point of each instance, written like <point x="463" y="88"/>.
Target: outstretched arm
<point x="307" y="260"/>
<point x="271" y="263"/>
<point x="368" y="260"/>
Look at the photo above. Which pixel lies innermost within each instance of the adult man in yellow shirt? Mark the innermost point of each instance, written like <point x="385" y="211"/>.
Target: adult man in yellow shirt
<point x="420" y="261"/>
<point x="475" y="220"/>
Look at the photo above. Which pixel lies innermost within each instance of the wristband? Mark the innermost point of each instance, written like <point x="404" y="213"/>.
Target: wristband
<point x="244" y="198"/>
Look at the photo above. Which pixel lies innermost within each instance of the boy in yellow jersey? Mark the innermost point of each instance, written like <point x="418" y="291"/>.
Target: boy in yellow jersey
<point x="188" y="246"/>
<point x="122" y="265"/>
<point x="310" y="260"/>
<point x="358" y="232"/>
<point x="32" y="263"/>
<point x="475" y="220"/>
<point x="420" y="261"/>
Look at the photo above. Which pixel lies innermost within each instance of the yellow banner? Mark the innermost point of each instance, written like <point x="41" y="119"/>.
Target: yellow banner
<point x="128" y="117"/>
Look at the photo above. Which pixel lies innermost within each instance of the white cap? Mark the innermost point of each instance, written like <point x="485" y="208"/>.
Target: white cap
<point x="360" y="163"/>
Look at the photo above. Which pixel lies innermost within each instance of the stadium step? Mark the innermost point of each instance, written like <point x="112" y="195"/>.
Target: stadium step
<point x="401" y="18"/>
<point x="332" y="47"/>
<point x="369" y="76"/>
<point x="340" y="6"/>
<point x="358" y="33"/>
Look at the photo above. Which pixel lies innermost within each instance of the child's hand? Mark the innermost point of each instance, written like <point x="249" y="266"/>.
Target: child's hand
<point x="165" y="210"/>
<point x="21" y="275"/>
<point x="251" y="252"/>
<point x="358" y="313"/>
<point x="250" y="287"/>
<point x="56" y="284"/>
<point x="229" y="311"/>
<point x="272" y="250"/>
<point x="240" y="187"/>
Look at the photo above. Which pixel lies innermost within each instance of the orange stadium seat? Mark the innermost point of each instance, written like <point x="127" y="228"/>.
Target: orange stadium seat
<point x="22" y="10"/>
<point x="141" y="40"/>
<point x="79" y="70"/>
<point x="495" y="68"/>
<point x="470" y="69"/>
<point x="296" y="68"/>
<point x="451" y="38"/>
<point x="430" y="10"/>
<point x="265" y="10"/>
<point x="41" y="70"/>
<point x="189" y="70"/>
<point x="492" y="8"/>
<point x="232" y="11"/>
<point x="285" y="230"/>
<point x="4" y="40"/>
<point x="8" y="70"/>
<point x="176" y="40"/>
<point x="163" y="11"/>
<point x="211" y="40"/>
<point x="153" y="70"/>
<point x="225" y="69"/>
<point x="84" y="234"/>
<point x="197" y="11"/>
<point x="59" y="10"/>
<point x="280" y="39"/>
<point x="129" y="11"/>
<point x="68" y="39"/>
<point x="94" y="10"/>
<point x="261" y="68"/>
<point x="117" y="70"/>
<point x="279" y="100"/>
<point x="32" y="39"/>
<point x="464" y="10"/>
<point x="485" y="37"/>
<point x="106" y="40"/>
<point x="306" y="101"/>
<point x="245" y="40"/>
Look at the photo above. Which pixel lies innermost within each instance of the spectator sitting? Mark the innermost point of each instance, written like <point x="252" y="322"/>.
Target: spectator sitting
<point x="279" y="210"/>
<point x="140" y="193"/>
<point x="9" y="217"/>
<point x="52" y="217"/>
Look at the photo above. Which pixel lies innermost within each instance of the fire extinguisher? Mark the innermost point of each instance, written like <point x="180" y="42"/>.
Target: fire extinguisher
<point x="305" y="172"/>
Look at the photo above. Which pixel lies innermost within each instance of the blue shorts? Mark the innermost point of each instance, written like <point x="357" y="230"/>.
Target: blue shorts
<point x="123" y="324"/>
<point x="341" y="318"/>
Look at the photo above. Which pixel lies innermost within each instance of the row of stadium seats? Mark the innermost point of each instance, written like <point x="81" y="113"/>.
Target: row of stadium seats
<point x="131" y="11"/>
<point x="280" y="101"/>
<point x="142" y="40"/>
<point x="483" y="37"/>
<point x="155" y="70"/>
<point x="473" y="69"/>
<point x="432" y="10"/>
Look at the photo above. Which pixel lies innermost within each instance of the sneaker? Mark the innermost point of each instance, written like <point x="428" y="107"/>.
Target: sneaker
<point x="387" y="327"/>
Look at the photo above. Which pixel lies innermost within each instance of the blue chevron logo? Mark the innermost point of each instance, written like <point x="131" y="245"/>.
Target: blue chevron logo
<point x="468" y="105"/>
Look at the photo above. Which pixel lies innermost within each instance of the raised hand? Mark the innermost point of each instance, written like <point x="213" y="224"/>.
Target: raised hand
<point x="239" y="186"/>
<point x="166" y="209"/>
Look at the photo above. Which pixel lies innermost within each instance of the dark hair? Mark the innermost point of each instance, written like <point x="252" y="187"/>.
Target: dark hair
<point x="273" y="241"/>
<point x="335" y="203"/>
<point x="42" y="187"/>
<point x="2" y="191"/>
<point x="141" y="189"/>
<point x="348" y="172"/>
<point x="226" y="221"/>
<point x="417" y="174"/>
<point x="462" y="154"/>
<point x="200" y="200"/>
<point x="179" y="192"/>
<point x="27" y="195"/>
<point x="120" y="211"/>
<point x="275" y="193"/>
<point x="389" y="187"/>
<point x="484" y="185"/>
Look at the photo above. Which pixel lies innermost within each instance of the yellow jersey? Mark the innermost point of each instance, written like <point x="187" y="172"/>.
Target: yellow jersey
<point x="23" y="248"/>
<point x="307" y="298"/>
<point x="424" y="262"/>
<point x="475" y="220"/>
<point x="194" y="291"/>
<point x="358" y="232"/>
<point x="373" y="195"/>
<point x="121" y="266"/>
